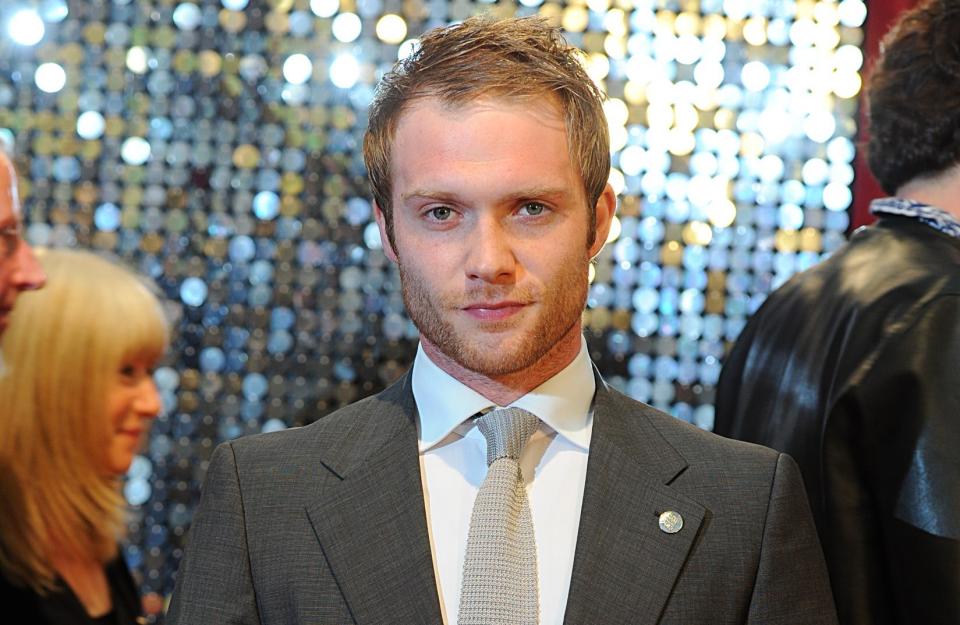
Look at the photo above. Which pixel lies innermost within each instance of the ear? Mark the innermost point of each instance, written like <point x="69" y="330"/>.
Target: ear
<point x="382" y="226"/>
<point x="605" y="210"/>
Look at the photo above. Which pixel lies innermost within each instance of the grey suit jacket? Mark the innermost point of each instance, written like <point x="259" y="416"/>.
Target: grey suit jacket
<point x="326" y="525"/>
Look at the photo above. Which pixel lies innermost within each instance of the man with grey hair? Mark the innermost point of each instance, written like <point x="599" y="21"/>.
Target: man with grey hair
<point x="19" y="270"/>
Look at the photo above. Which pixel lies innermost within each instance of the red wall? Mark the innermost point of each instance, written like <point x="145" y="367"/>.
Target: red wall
<point x="881" y="15"/>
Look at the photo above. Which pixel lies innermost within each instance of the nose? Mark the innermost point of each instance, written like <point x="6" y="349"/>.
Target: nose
<point x="148" y="403"/>
<point x="490" y="256"/>
<point x="28" y="274"/>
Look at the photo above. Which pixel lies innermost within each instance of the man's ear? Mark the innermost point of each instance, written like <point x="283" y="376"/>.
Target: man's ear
<point x="382" y="226"/>
<point x="605" y="210"/>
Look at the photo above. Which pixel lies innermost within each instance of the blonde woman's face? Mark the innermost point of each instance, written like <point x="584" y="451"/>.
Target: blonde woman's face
<point x="132" y="403"/>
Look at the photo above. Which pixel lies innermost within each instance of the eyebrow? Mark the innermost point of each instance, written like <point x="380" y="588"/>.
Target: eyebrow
<point x="531" y="193"/>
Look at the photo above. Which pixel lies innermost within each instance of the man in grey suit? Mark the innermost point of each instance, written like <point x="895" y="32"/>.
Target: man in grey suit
<point x="489" y="156"/>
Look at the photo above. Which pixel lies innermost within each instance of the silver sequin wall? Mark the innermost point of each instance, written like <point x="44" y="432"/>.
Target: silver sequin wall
<point x="214" y="145"/>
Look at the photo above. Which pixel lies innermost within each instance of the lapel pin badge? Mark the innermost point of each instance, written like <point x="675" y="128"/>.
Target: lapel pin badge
<point x="671" y="522"/>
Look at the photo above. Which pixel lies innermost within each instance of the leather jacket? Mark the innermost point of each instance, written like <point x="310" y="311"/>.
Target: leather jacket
<point x="853" y="368"/>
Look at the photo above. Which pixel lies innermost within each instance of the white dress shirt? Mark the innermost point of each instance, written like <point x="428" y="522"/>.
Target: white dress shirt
<point x="453" y="464"/>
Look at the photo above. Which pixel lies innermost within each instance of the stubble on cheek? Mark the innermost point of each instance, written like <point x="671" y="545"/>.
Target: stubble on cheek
<point x="494" y="350"/>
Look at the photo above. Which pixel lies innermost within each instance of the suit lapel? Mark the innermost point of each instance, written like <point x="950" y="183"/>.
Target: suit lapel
<point x="372" y="524"/>
<point x="625" y="566"/>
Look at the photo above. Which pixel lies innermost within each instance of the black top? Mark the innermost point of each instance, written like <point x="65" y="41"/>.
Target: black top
<point x="24" y="606"/>
<point x="853" y="368"/>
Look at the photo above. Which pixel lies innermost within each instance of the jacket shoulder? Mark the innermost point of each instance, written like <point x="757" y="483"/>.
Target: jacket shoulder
<point x="704" y="451"/>
<point x="708" y="449"/>
<point x="341" y="435"/>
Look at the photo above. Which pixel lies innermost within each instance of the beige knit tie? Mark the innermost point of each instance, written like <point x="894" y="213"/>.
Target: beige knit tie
<point x="500" y="568"/>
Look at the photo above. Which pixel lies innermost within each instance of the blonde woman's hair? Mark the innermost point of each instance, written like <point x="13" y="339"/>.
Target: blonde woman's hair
<point x="62" y="347"/>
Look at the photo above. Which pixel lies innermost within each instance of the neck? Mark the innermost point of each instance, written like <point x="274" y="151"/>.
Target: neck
<point x="88" y="581"/>
<point x="503" y="390"/>
<point x="941" y="191"/>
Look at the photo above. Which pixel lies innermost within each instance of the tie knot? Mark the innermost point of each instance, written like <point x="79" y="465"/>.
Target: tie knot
<point x="507" y="430"/>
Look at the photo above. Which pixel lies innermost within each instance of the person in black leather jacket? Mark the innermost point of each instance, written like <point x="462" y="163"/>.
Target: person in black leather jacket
<point x="853" y="367"/>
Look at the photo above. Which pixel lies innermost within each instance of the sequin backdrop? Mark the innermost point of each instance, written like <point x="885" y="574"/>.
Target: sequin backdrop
<point x="214" y="145"/>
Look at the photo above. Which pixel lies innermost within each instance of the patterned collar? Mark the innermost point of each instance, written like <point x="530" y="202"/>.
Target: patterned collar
<point x="924" y="213"/>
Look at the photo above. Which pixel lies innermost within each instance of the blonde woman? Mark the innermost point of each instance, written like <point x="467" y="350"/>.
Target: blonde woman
<point x="76" y="402"/>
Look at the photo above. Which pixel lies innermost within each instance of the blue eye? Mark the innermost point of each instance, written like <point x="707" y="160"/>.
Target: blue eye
<point x="441" y="213"/>
<point x="534" y="208"/>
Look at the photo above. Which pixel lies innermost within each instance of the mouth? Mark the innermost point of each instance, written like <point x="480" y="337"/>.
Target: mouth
<point x="494" y="311"/>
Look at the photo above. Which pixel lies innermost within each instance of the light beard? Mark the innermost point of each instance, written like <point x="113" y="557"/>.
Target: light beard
<point x="560" y="308"/>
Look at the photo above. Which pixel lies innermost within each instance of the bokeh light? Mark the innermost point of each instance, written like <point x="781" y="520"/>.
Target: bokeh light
<point x="26" y="27"/>
<point x="215" y="145"/>
<point x="50" y="77"/>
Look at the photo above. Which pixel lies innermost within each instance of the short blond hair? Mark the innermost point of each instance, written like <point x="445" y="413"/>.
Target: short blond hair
<point x="513" y="58"/>
<point x="62" y="346"/>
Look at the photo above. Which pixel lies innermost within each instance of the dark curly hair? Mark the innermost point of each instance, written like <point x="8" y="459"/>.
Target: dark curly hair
<point x="914" y="96"/>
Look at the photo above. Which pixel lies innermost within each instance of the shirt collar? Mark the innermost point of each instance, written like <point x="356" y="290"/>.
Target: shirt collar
<point x="562" y="402"/>
<point x="924" y="213"/>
